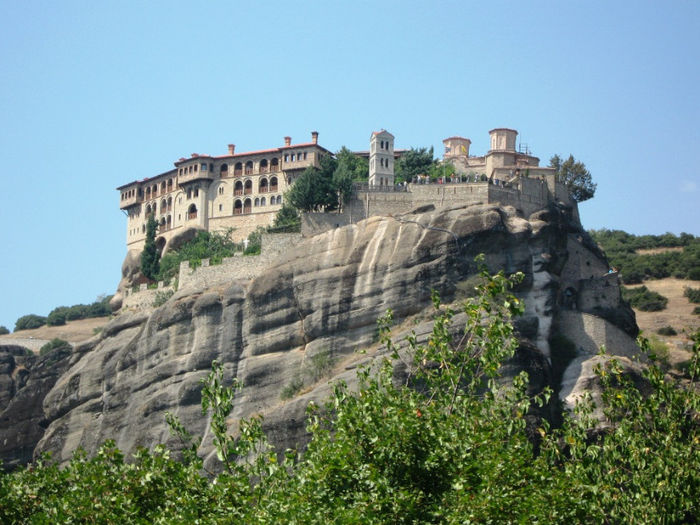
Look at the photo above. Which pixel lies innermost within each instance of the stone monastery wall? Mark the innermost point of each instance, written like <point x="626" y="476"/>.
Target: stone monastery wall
<point x="239" y="266"/>
<point x="527" y="195"/>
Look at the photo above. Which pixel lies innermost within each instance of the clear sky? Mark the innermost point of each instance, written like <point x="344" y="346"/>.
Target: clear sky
<point x="97" y="94"/>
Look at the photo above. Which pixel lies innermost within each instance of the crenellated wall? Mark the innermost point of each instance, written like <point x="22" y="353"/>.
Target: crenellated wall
<point x="525" y="194"/>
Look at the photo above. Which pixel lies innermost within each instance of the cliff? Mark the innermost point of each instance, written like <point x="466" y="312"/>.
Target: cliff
<point x="299" y="322"/>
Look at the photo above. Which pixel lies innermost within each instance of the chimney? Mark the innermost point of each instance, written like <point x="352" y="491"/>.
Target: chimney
<point x="314" y="137"/>
<point x="231" y="149"/>
<point x="287" y="141"/>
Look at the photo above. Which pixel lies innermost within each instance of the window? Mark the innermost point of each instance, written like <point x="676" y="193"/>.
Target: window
<point x="192" y="212"/>
<point x="237" y="207"/>
<point x="238" y="188"/>
<point x="292" y="157"/>
<point x="248" y="188"/>
<point x="262" y="201"/>
<point x="221" y="207"/>
<point x="204" y="166"/>
<point x="257" y="202"/>
<point x="196" y="192"/>
<point x="221" y="190"/>
<point x="286" y="157"/>
<point x="247" y="206"/>
<point x="304" y="155"/>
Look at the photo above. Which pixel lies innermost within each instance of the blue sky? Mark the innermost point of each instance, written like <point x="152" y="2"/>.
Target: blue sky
<point x="97" y="94"/>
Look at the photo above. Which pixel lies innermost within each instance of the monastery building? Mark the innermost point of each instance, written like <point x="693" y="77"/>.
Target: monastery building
<point x="236" y="190"/>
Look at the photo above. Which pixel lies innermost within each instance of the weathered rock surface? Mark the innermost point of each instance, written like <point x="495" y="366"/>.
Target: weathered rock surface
<point x="323" y="297"/>
<point x="25" y="379"/>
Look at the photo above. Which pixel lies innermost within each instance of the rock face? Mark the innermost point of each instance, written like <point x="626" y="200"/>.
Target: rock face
<point x="25" y="379"/>
<point x="315" y="306"/>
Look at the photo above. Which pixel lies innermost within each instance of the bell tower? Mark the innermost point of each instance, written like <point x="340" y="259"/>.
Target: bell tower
<point x="381" y="159"/>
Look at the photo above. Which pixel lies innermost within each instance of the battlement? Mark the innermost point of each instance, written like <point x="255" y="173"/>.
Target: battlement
<point x="526" y="194"/>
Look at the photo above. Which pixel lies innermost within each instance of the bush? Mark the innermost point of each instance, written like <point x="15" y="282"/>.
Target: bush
<point x="29" y="322"/>
<point x="162" y="297"/>
<point x="56" y="318"/>
<point x="54" y="344"/>
<point x="696" y="310"/>
<point x="4" y="330"/>
<point x="693" y="294"/>
<point x="292" y="388"/>
<point x="644" y="299"/>
<point x="666" y="330"/>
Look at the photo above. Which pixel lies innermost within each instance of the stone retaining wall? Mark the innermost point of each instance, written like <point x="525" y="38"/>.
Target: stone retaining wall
<point x="239" y="266"/>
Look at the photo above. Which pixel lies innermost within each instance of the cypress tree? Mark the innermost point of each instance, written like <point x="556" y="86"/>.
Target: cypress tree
<point x="150" y="255"/>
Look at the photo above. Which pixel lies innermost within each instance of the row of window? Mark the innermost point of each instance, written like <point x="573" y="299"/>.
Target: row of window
<point x="247" y="168"/>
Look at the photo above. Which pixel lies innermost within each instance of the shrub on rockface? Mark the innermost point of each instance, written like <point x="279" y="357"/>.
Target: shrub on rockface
<point x="53" y="344"/>
<point x="4" y="330"/>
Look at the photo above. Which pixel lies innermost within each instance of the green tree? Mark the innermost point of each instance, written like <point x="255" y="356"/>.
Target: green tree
<point x="4" y="330"/>
<point x="150" y="255"/>
<point x="314" y="189"/>
<point x="574" y="175"/>
<point x="29" y="322"/>
<point x="441" y="169"/>
<point x="286" y="219"/>
<point x="357" y="167"/>
<point x="415" y="161"/>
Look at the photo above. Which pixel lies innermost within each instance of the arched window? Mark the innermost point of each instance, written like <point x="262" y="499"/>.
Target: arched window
<point x="256" y="202"/>
<point x="163" y="206"/>
<point x="238" y="188"/>
<point x="192" y="212"/>
<point x="262" y="186"/>
<point x="248" y="188"/>
<point x="247" y="206"/>
<point x="249" y="167"/>
<point x="148" y="210"/>
<point x="170" y="184"/>
<point x="168" y="223"/>
<point x="163" y="187"/>
<point x="223" y="170"/>
<point x="154" y="190"/>
<point x="237" y="207"/>
<point x="273" y="184"/>
<point x="238" y="169"/>
<point x="279" y="199"/>
<point x="262" y="201"/>
<point x="275" y="165"/>
<point x="161" y="226"/>
<point x="221" y="190"/>
<point x="263" y="166"/>
<point x="148" y="193"/>
<point x="170" y="203"/>
<point x="143" y="228"/>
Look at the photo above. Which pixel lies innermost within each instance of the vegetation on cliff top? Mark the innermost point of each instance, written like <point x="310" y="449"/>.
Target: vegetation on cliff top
<point x="622" y="249"/>
<point x="451" y="445"/>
